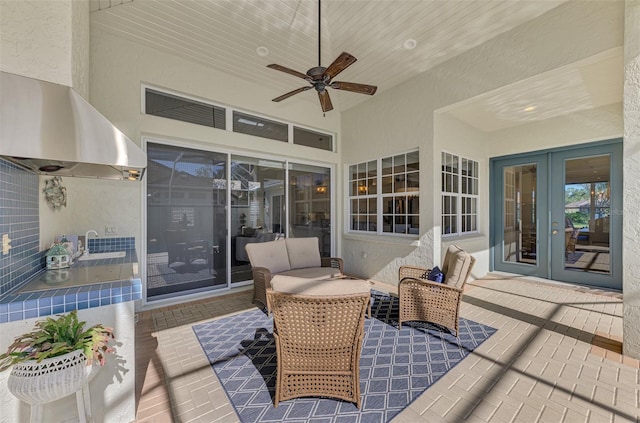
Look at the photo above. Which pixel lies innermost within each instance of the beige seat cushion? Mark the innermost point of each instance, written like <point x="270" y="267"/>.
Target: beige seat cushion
<point x="294" y="285"/>
<point x="272" y="255"/>
<point x="313" y="273"/>
<point x="303" y="252"/>
<point x="456" y="267"/>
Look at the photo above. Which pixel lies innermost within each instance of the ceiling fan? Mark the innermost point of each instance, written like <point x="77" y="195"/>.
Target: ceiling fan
<point x="320" y="77"/>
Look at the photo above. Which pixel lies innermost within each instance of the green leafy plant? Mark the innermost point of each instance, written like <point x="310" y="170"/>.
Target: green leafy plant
<point x="56" y="337"/>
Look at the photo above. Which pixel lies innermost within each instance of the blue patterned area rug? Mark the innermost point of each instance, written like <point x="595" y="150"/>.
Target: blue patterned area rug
<point x="395" y="366"/>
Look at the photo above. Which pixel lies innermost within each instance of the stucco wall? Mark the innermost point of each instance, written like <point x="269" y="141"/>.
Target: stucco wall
<point x="403" y="118"/>
<point x="631" y="221"/>
<point x="80" y="47"/>
<point x="585" y="126"/>
<point x="91" y="204"/>
<point x="35" y="39"/>
<point x="46" y="40"/>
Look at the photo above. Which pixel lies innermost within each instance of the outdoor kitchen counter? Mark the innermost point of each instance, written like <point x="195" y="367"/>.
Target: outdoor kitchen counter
<point x="86" y="284"/>
<point x="86" y="272"/>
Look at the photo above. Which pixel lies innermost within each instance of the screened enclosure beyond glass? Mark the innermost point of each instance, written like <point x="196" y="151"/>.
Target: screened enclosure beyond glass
<point x="204" y="207"/>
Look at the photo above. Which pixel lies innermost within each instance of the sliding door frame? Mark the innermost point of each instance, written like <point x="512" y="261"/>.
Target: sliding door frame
<point x="222" y="149"/>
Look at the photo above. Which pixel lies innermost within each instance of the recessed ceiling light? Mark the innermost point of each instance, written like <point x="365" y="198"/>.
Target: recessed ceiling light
<point x="262" y="51"/>
<point x="529" y="108"/>
<point x="410" y="44"/>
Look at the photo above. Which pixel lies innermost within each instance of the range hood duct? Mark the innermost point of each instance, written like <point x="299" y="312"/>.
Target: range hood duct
<point x="52" y="130"/>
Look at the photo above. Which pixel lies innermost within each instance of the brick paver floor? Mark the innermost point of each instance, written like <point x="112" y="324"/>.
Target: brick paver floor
<point x="556" y="357"/>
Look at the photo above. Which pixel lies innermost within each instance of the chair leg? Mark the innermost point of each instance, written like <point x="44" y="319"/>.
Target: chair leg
<point x="82" y="416"/>
<point x="36" y="413"/>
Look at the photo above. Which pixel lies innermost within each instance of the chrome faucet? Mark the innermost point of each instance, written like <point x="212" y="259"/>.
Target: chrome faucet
<point x="86" y="240"/>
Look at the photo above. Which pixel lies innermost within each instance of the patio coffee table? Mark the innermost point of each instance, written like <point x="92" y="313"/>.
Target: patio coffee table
<point x="341" y="285"/>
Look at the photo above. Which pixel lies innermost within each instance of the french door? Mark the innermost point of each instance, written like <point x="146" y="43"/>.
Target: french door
<point x="556" y="214"/>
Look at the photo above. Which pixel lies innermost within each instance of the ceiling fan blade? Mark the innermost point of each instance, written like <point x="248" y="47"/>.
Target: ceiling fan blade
<point x="356" y="88"/>
<point x="289" y="94"/>
<point x="287" y="70"/>
<point x="341" y="63"/>
<point x="325" y="100"/>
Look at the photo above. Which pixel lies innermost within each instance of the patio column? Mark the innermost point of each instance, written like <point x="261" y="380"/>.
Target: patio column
<point x="631" y="221"/>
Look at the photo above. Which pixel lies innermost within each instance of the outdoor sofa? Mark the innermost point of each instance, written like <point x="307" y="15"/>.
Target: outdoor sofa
<point x="292" y="257"/>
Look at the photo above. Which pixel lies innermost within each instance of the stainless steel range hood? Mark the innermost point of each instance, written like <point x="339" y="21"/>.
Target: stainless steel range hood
<point x="52" y="130"/>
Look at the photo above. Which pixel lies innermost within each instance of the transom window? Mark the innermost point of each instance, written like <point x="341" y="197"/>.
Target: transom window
<point x="384" y="195"/>
<point x="202" y="112"/>
<point x="459" y="195"/>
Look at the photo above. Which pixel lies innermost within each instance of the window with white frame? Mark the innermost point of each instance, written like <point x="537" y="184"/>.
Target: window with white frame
<point x="459" y="195"/>
<point x="201" y="112"/>
<point x="384" y="195"/>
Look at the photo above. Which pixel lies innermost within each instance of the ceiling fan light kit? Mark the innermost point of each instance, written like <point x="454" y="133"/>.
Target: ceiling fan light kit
<point x="320" y="77"/>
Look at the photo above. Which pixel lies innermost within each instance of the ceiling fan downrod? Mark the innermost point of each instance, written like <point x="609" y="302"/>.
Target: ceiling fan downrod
<point x="319" y="34"/>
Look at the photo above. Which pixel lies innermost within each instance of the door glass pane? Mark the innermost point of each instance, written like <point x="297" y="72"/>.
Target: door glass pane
<point x="257" y="190"/>
<point x="186" y="223"/>
<point x="520" y="214"/>
<point x="587" y="209"/>
<point x="310" y="205"/>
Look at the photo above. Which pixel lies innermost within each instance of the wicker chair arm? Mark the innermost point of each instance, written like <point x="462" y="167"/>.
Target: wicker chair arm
<point x="263" y="275"/>
<point x="261" y="283"/>
<point x="429" y="301"/>
<point x="435" y="287"/>
<point x="412" y="272"/>
<point x="334" y="262"/>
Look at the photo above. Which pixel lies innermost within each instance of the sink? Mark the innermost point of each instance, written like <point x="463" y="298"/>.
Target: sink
<point x="99" y="256"/>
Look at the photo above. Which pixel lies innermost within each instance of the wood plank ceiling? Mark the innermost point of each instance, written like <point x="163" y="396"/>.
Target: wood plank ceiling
<point x="224" y="34"/>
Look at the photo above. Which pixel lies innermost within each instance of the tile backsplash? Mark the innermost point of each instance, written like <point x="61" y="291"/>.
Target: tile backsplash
<point x="19" y="218"/>
<point x="112" y="244"/>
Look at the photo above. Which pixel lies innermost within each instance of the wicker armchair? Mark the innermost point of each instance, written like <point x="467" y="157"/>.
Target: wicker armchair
<point x="318" y="345"/>
<point x="427" y="301"/>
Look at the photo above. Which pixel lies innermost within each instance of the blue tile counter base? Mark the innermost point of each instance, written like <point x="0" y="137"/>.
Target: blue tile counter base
<point x="62" y="300"/>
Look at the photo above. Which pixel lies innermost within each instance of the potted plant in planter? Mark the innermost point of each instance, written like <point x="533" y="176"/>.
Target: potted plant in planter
<point x="56" y="359"/>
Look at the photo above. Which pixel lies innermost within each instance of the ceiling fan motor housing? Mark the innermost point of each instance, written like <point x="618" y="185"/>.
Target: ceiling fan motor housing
<point x="316" y="73"/>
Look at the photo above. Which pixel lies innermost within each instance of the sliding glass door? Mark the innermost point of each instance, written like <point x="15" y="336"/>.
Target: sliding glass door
<point x="186" y="220"/>
<point x="204" y="207"/>
<point x="310" y="204"/>
<point x="254" y="185"/>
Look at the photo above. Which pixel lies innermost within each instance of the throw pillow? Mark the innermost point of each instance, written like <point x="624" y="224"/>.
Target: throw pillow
<point x="436" y="275"/>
